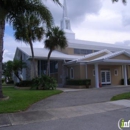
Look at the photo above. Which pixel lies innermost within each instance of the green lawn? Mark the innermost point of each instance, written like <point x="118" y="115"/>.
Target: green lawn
<point x="121" y="96"/>
<point x="21" y="99"/>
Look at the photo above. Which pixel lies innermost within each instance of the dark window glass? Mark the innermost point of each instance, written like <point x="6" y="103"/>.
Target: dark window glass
<point x="53" y="66"/>
<point x="76" y="51"/>
<point x="89" y="51"/>
<point x="82" y="51"/>
<point x="96" y="50"/>
<point x="71" y="73"/>
<point x="38" y="67"/>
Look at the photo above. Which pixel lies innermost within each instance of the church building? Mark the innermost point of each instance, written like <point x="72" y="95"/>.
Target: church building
<point x="102" y="63"/>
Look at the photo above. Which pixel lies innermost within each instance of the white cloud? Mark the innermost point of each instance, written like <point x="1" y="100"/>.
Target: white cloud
<point x="10" y="45"/>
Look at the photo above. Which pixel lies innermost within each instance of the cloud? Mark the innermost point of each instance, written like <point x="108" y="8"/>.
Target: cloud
<point x="10" y="45"/>
<point x="126" y="19"/>
<point x="8" y="55"/>
<point x="77" y="10"/>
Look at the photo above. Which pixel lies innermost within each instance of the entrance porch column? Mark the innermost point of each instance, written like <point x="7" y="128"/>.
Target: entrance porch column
<point x="125" y="75"/>
<point x="96" y="76"/>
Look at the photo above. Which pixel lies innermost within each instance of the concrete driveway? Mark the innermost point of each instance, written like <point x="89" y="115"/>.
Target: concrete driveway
<point x="90" y="106"/>
<point x="77" y="98"/>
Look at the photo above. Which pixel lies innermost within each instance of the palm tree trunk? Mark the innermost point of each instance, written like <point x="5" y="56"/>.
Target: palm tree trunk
<point x="2" y="28"/>
<point x="48" y="63"/>
<point x="17" y="75"/>
<point x="34" y="68"/>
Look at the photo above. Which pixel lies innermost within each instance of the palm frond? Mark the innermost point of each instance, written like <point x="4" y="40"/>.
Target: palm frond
<point x="55" y="38"/>
<point x="124" y="1"/>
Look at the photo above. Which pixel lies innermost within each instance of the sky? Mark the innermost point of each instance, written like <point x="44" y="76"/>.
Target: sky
<point x="92" y="20"/>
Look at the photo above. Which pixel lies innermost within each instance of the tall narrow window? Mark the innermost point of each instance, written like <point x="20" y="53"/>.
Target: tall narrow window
<point x="71" y="73"/>
<point x="67" y="72"/>
<point x="116" y="72"/>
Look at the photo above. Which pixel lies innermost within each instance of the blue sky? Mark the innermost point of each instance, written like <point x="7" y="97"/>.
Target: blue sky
<point x="91" y="20"/>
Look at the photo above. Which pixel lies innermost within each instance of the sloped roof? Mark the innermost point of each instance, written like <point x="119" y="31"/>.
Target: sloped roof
<point x="82" y="44"/>
<point x="111" y="55"/>
<point x="89" y="55"/>
<point x="42" y="53"/>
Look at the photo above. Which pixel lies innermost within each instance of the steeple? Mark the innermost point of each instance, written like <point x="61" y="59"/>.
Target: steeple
<point x="65" y="9"/>
<point x="65" y="23"/>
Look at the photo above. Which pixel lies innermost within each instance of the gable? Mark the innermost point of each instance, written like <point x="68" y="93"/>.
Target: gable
<point x="96" y="56"/>
<point x="121" y="57"/>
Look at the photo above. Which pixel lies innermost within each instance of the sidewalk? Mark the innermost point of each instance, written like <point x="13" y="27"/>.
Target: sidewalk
<point x="58" y="113"/>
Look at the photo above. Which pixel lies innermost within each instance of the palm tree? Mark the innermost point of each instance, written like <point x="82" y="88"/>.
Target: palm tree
<point x="10" y="9"/>
<point x="55" y="38"/>
<point x="17" y="66"/>
<point x="29" y="29"/>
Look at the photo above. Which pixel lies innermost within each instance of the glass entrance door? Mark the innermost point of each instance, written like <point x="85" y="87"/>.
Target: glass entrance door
<point x="105" y="77"/>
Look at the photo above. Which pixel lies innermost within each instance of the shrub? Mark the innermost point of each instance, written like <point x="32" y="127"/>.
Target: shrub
<point x="2" y="80"/>
<point x="10" y="82"/>
<point x="86" y="82"/>
<point x="24" y="83"/>
<point x="122" y="81"/>
<point x="44" y="82"/>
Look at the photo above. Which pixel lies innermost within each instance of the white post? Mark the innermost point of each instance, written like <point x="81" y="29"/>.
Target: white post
<point x="86" y="71"/>
<point x="96" y="76"/>
<point x="125" y="75"/>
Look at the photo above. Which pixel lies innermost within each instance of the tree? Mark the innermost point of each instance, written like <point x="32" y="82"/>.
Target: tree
<point x="7" y="70"/>
<point x="55" y="38"/>
<point x="11" y="9"/>
<point x="17" y="66"/>
<point x="28" y="28"/>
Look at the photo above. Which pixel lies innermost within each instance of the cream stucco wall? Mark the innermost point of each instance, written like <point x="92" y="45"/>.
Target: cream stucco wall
<point x="80" y="73"/>
<point x="67" y="50"/>
<point x="115" y="79"/>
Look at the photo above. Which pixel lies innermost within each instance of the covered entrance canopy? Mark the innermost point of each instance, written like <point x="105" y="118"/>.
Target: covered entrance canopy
<point x="117" y="58"/>
<point x="105" y="59"/>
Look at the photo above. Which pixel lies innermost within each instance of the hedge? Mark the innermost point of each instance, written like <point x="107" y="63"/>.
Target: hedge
<point x="122" y="81"/>
<point x="10" y="82"/>
<point x="24" y="83"/>
<point x="79" y="82"/>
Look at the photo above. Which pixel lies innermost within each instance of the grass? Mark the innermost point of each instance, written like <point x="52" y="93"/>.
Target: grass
<point x="20" y="100"/>
<point x="121" y="96"/>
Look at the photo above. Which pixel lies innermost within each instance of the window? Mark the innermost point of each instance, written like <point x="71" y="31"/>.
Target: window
<point x="93" y="72"/>
<point x="96" y="50"/>
<point x="82" y="51"/>
<point x="89" y="51"/>
<point x="76" y="51"/>
<point x="42" y="66"/>
<point x="116" y="72"/>
<point x="71" y="73"/>
<point x="53" y="66"/>
<point x="67" y="70"/>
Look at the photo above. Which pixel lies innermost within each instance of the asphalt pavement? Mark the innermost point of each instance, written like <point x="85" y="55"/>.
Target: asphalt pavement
<point x="79" y="110"/>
